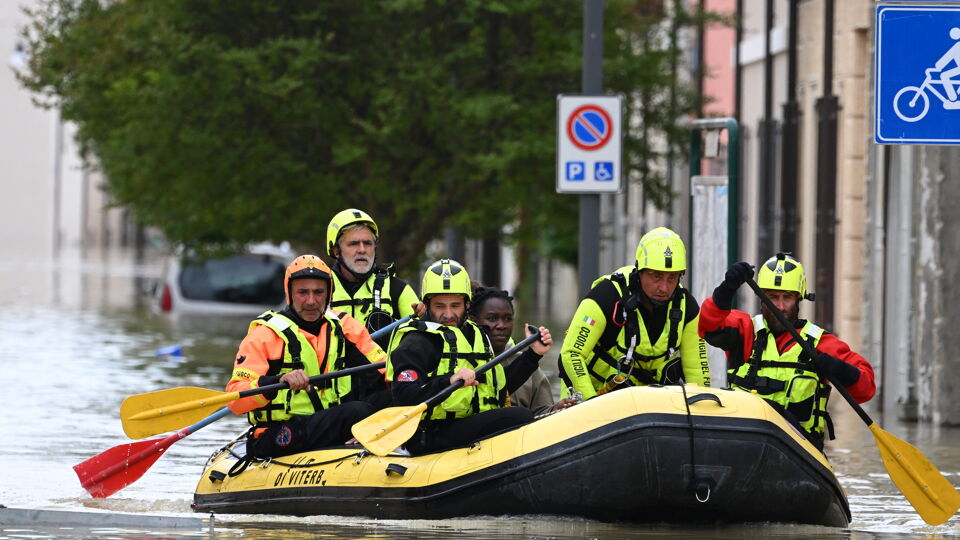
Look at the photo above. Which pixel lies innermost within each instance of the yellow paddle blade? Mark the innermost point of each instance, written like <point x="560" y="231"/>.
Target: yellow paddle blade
<point x="932" y="495"/>
<point x="385" y="431"/>
<point x="148" y="414"/>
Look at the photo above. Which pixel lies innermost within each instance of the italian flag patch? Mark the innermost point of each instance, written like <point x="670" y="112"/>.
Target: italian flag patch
<point x="588" y="320"/>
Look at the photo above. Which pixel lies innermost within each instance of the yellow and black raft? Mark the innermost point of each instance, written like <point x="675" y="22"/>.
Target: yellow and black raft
<point x="660" y="454"/>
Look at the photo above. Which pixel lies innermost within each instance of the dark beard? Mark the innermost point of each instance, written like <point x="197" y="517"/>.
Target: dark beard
<point x="429" y="317"/>
<point x="773" y="322"/>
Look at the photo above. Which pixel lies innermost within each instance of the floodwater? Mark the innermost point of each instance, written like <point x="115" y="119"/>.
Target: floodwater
<point x="78" y="336"/>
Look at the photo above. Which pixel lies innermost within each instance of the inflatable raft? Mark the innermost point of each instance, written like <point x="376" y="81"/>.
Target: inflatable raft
<point x="650" y="454"/>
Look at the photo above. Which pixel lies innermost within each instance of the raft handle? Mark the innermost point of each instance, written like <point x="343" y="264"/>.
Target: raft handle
<point x="700" y="488"/>
<point x="396" y="468"/>
<point x="217" y="476"/>
<point x="706" y="395"/>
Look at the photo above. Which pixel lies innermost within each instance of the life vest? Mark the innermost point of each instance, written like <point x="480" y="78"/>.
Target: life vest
<point x="788" y="381"/>
<point x="650" y="362"/>
<point x="298" y="353"/>
<point x="459" y="353"/>
<point x="374" y="304"/>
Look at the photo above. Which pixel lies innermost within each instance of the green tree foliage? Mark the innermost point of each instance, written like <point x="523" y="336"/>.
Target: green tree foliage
<point x="226" y="121"/>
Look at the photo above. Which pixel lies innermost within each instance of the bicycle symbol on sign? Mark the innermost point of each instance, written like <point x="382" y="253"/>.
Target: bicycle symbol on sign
<point x="905" y="101"/>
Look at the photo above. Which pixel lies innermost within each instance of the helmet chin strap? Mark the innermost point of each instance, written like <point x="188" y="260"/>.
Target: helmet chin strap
<point x="659" y="303"/>
<point x="640" y="295"/>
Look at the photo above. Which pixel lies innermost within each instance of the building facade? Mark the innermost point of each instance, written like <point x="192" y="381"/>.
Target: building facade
<point x="51" y="203"/>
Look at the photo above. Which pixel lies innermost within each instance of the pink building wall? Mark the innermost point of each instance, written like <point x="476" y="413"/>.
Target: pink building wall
<point x="718" y="58"/>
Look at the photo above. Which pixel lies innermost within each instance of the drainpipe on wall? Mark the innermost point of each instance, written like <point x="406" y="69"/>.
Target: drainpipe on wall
<point x="737" y="108"/>
<point x="737" y="70"/>
<point x="790" y="144"/>
<point x="766" y="181"/>
<point x="828" y="109"/>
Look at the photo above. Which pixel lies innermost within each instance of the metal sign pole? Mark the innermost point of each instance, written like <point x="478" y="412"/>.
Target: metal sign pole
<point x="588" y="253"/>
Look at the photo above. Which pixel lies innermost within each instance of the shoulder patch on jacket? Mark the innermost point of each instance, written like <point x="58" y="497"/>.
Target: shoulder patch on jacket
<point x="408" y="376"/>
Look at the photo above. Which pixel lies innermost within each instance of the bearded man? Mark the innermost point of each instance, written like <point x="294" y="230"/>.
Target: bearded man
<point x="368" y="292"/>
<point x="763" y="356"/>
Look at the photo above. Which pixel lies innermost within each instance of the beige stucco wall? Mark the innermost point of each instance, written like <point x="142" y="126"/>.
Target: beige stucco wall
<point x="851" y="62"/>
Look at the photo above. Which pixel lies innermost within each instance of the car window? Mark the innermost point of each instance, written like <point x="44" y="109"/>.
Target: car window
<point x="240" y="279"/>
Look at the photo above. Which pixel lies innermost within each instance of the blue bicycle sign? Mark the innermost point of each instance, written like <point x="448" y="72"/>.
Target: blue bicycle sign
<point x="914" y="43"/>
<point x="911" y="111"/>
<point x="906" y="105"/>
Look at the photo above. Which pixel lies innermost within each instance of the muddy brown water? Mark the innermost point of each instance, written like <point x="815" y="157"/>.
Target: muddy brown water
<point x="78" y="336"/>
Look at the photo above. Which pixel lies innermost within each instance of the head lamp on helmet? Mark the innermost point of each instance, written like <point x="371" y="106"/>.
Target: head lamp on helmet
<point x="784" y="273"/>
<point x="661" y="249"/>
<point x="308" y="267"/>
<point x="445" y="276"/>
<point x="343" y="221"/>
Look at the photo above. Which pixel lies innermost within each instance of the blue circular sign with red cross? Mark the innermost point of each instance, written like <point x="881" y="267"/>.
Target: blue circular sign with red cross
<point x="589" y="127"/>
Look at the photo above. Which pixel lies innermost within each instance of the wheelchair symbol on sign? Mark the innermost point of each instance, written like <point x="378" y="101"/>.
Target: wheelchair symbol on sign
<point x="603" y="171"/>
<point x="910" y="110"/>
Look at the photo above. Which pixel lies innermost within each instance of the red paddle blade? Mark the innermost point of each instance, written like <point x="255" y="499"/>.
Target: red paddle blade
<point x="108" y="472"/>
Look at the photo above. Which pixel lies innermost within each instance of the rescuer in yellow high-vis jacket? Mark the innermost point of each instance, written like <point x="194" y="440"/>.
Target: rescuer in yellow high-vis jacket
<point x="636" y="326"/>
<point x="428" y="355"/>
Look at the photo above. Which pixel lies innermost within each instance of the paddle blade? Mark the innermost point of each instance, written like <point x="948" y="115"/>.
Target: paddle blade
<point x="144" y="415"/>
<point x="108" y="472"/>
<point x="932" y="495"/>
<point x="386" y="430"/>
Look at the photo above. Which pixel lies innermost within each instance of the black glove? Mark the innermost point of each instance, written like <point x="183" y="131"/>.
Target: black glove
<point x="737" y="275"/>
<point x="836" y="369"/>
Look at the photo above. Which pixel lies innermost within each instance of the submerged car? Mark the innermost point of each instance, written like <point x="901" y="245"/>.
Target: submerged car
<point x="246" y="283"/>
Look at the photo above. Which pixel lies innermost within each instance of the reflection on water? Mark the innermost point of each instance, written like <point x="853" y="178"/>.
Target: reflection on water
<point x="486" y="527"/>
<point x="78" y="338"/>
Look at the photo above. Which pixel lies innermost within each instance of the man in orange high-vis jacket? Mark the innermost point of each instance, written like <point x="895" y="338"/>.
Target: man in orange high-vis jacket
<point x="304" y="339"/>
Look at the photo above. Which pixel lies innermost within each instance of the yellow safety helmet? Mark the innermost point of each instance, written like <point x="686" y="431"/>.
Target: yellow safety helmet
<point x="343" y="219"/>
<point x="308" y="266"/>
<point x="783" y="273"/>
<point x="661" y="249"/>
<point x="445" y="276"/>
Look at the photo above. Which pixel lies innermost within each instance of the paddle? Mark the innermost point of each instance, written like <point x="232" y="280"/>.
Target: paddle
<point x="384" y="431"/>
<point x="932" y="495"/>
<point x="108" y="472"/>
<point x="112" y="470"/>
<point x="151" y="413"/>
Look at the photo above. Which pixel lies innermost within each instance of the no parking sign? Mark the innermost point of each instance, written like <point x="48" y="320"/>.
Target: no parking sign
<point x="589" y="135"/>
